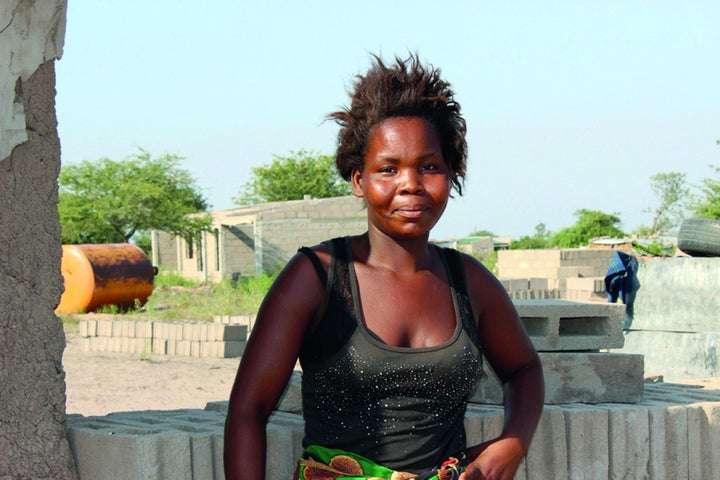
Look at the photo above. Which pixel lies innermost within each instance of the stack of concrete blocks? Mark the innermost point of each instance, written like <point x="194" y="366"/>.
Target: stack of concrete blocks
<point x="586" y="289"/>
<point x="571" y="339"/>
<point x="673" y="433"/>
<point x="529" y="289"/>
<point x="148" y="337"/>
<point x="676" y="324"/>
<point x="555" y="265"/>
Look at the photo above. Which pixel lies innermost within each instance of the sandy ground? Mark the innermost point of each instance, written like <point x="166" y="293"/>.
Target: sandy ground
<point x="101" y="383"/>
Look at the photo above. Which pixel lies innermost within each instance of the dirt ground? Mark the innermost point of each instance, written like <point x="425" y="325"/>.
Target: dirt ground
<point x="101" y="383"/>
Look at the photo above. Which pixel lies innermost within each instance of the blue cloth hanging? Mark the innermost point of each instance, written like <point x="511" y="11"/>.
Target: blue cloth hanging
<point x="621" y="282"/>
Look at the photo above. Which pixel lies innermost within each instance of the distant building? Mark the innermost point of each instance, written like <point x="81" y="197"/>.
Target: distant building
<point x="261" y="238"/>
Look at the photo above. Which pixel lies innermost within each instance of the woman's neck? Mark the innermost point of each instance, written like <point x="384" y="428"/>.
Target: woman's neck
<point x="400" y="256"/>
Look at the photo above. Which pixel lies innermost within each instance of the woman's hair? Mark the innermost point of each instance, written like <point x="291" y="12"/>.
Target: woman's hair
<point x="405" y="89"/>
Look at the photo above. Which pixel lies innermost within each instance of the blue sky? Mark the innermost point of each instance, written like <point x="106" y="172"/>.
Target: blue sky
<point x="569" y="105"/>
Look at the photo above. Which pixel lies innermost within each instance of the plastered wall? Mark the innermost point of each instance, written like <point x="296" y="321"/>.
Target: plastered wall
<point x="33" y="441"/>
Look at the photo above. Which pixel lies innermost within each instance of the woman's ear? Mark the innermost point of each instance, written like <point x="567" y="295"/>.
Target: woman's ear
<point x="357" y="183"/>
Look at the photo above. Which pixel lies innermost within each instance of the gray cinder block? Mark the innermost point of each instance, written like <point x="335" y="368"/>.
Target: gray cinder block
<point x="587" y="436"/>
<point x="548" y="454"/>
<point x="556" y="325"/>
<point x="629" y="441"/>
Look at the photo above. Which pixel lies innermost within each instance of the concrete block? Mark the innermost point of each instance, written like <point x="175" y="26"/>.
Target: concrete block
<point x="709" y="441"/>
<point x="591" y="284"/>
<point x="668" y="443"/>
<point x="587" y="434"/>
<point x="187" y="331"/>
<point x="215" y="331"/>
<point x="233" y="332"/>
<point x="115" y="344"/>
<point x="83" y="329"/>
<point x="555" y="325"/>
<point x="201" y="452"/>
<point x="291" y="399"/>
<point x="473" y="422"/>
<point x="195" y="349"/>
<point x="144" y="329"/>
<point x="160" y="346"/>
<point x="91" y="328"/>
<point x="284" y="434"/>
<point x="104" y="328"/>
<point x="175" y="331"/>
<point x="141" y="345"/>
<point x="579" y="377"/>
<point x="230" y="349"/>
<point x="99" y="344"/>
<point x="513" y="284"/>
<point x="538" y="283"/>
<point x="548" y="453"/>
<point x="182" y="347"/>
<point x="629" y="434"/>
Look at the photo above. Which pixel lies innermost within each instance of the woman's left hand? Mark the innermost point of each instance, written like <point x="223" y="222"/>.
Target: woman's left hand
<point x="497" y="459"/>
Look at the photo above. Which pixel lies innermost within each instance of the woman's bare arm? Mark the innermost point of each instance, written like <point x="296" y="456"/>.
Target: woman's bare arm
<point x="290" y="306"/>
<point x="508" y="349"/>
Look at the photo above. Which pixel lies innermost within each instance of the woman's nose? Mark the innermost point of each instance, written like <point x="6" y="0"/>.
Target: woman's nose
<point x="411" y="182"/>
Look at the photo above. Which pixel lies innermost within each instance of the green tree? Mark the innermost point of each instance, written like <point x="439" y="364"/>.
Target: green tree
<point x="590" y="224"/>
<point x="540" y="240"/>
<point x="482" y="233"/>
<point x="291" y="178"/>
<point x="671" y="190"/>
<point x="708" y="205"/>
<point x="109" y="201"/>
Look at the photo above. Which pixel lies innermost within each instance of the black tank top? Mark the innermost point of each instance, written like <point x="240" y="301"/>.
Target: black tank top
<point x="400" y="407"/>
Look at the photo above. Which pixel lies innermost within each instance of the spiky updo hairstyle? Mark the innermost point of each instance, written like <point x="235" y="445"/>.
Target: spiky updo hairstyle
<point x="404" y="89"/>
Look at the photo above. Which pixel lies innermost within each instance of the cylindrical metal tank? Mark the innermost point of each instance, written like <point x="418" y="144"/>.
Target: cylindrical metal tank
<point x="104" y="274"/>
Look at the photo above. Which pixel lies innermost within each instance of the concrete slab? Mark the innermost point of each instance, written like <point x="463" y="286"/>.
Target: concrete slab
<point x="579" y="377"/>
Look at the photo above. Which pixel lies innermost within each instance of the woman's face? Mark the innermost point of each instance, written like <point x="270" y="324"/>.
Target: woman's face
<point x="405" y="181"/>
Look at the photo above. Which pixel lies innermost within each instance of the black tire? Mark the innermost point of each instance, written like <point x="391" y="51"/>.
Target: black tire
<point x="700" y="237"/>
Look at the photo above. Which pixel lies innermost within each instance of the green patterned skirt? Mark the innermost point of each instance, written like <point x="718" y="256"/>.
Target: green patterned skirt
<point x="319" y="463"/>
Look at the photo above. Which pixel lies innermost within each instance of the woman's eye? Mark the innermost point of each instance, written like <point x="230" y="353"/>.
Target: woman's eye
<point x="430" y="167"/>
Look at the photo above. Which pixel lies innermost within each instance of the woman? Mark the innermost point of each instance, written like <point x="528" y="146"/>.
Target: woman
<point x="388" y="327"/>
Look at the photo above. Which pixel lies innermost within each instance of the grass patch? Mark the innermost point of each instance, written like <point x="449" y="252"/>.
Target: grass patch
<point x="176" y="298"/>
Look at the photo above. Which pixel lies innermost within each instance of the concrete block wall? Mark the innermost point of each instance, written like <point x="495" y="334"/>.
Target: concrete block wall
<point x="237" y="257"/>
<point x="674" y="433"/>
<point x="147" y="337"/>
<point x="557" y="265"/>
<point x="307" y="222"/>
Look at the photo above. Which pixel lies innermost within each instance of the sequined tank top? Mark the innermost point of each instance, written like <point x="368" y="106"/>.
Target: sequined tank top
<point x="400" y="407"/>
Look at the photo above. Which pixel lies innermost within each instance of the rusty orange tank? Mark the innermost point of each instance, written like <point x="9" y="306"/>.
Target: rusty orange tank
<point x="104" y="274"/>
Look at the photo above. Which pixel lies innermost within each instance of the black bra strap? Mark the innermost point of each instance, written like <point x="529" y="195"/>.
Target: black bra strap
<point x="322" y="275"/>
